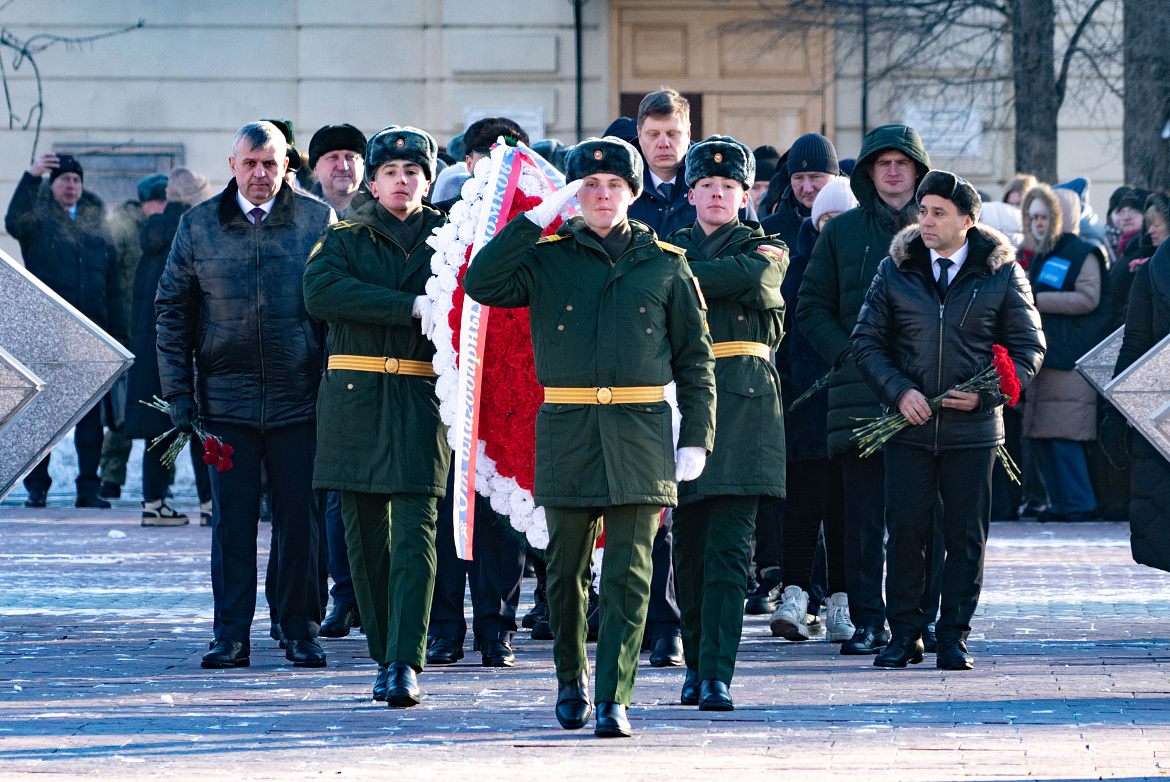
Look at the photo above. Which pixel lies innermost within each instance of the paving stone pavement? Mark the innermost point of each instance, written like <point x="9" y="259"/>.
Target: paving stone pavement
<point x="100" y="640"/>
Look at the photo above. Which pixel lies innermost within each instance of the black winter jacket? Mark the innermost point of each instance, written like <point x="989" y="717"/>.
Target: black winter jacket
<point x="155" y="239"/>
<point x="785" y="221"/>
<point x="74" y="257"/>
<point x="232" y="297"/>
<point x="905" y="338"/>
<point x="1146" y="324"/>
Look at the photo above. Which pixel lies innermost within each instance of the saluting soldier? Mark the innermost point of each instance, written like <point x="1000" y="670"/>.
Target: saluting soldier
<point x="615" y="315"/>
<point x="380" y="441"/>
<point x="740" y="271"/>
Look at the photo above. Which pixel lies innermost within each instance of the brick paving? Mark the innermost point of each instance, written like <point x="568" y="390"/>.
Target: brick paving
<point x="100" y="640"/>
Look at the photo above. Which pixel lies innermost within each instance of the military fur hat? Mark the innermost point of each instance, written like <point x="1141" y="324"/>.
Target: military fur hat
<point x="402" y="143"/>
<point x="721" y="156"/>
<point x="609" y="155"/>
<point x="953" y="188"/>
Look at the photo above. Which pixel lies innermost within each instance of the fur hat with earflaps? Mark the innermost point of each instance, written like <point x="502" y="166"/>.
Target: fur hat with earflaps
<point x="721" y="156"/>
<point x="952" y="187"/>
<point x="402" y="143"/>
<point x="609" y="155"/>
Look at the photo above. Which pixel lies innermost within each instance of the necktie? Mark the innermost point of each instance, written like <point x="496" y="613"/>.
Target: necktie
<point x="257" y="216"/>
<point x="944" y="277"/>
<point x="666" y="189"/>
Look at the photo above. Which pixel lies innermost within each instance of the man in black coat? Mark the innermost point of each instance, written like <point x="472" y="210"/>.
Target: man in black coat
<point x="811" y="164"/>
<point x="230" y="303"/>
<point x="65" y="243"/>
<point x="969" y="275"/>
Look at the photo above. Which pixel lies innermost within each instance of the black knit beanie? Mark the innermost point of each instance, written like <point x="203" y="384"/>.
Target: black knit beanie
<point x="812" y="152"/>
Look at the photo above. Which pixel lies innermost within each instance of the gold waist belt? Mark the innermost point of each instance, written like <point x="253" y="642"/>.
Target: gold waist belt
<point x="727" y="349"/>
<point x="390" y="366"/>
<point x="634" y="395"/>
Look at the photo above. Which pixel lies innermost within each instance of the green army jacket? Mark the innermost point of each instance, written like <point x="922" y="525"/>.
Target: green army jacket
<point x="741" y="284"/>
<point x="596" y="323"/>
<point x="376" y="433"/>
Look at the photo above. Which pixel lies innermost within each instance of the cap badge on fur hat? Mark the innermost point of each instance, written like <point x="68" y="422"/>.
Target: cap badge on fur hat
<point x="598" y="154"/>
<point x="720" y="156"/>
<point x="401" y="142"/>
<point x="608" y="155"/>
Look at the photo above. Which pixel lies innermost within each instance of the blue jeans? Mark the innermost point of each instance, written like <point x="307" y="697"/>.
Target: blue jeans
<point x="1066" y="475"/>
<point x="342" y="590"/>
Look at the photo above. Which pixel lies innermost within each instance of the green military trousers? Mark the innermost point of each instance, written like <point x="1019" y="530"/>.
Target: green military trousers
<point x="625" y="591"/>
<point x="391" y="542"/>
<point x="712" y="548"/>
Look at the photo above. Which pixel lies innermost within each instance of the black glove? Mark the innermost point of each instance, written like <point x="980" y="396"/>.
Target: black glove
<point x="1112" y="435"/>
<point x="183" y="413"/>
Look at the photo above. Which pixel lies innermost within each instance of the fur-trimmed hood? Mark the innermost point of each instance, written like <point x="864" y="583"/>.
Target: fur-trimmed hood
<point x="985" y="245"/>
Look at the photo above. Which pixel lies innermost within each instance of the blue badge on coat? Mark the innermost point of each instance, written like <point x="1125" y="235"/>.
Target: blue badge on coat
<point x="1054" y="272"/>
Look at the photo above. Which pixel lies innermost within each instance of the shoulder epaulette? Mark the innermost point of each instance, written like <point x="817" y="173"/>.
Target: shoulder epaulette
<point x="344" y="224"/>
<point x="670" y="248"/>
<point x="550" y="239"/>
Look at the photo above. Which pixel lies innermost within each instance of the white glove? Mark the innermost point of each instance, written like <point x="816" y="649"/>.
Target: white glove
<point x="422" y="311"/>
<point x="544" y="214"/>
<point x="689" y="463"/>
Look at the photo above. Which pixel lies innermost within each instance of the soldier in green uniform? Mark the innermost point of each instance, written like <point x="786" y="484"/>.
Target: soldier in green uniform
<point x="615" y="315"/>
<point x="740" y="270"/>
<point x="380" y="441"/>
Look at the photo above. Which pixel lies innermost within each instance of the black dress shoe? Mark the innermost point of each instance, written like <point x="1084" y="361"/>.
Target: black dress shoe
<point x="497" y="654"/>
<point x="227" y="654"/>
<point x="713" y="696"/>
<point x="690" y="690"/>
<point x="382" y="680"/>
<point x="304" y="653"/>
<point x="542" y="630"/>
<point x="276" y="635"/>
<point x="667" y="651"/>
<point x="90" y="499"/>
<point x="902" y="651"/>
<point x="444" y="650"/>
<point x="340" y="621"/>
<point x="402" y="686"/>
<point x="611" y="721"/>
<point x="866" y="640"/>
<point x="37" y="498"/>
<point x="929" y="640"/>
<point x="109" y="490"/>
<point x="765" y="599"/>
<point x="952" y="655"/>
<point x="539" y="610"/>
<point x="573" y="705"/>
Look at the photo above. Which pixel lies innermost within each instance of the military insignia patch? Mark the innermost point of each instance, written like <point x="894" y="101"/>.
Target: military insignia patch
<point x="316" y="248"/>
<point x="699" y="290"/>
<point x="774" y="253"/>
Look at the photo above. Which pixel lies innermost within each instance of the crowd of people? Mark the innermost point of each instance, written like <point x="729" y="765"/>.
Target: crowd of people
<point x="787" y="296"/>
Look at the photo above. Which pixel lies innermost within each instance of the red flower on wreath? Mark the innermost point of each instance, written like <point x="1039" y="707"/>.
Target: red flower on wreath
<point x="511" y="395"/>
<point x="1009" y="382"/>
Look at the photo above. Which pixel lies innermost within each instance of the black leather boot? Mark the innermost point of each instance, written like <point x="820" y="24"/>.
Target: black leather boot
<point x="573" y="705"/>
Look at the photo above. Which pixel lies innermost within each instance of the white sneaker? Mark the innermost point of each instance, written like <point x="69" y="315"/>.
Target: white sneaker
<point x="790" y="620"/>
<point x="156" y="513"/>
<point x="838" y="626"/>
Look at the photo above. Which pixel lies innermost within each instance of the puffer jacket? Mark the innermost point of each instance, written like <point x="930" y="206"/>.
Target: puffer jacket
<point x="232" y="296"/>
<point x="843" y="264"/>
<point x="901" y="343"/>
<point x="74" y="257"/>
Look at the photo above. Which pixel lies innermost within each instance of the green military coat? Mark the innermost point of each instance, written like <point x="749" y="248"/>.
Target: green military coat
<point x="376" y="433"/>
<point x="596" y="323"/>
<point x="742" y="288"/>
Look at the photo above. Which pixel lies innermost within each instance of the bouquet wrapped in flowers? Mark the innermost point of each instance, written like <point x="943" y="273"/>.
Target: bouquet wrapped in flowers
<point x="215" y="451"/>
<point x="999" y="378"/>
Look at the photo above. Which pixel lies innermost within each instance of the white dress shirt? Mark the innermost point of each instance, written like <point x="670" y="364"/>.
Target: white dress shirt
<point x="657" y="180"/>
<point x="247" y="206"/>
<point x="957" y="259"/>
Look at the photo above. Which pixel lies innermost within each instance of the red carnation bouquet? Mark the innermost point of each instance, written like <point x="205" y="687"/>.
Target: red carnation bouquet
<point x="999" y="377"/>
<point x="215" y="451"/>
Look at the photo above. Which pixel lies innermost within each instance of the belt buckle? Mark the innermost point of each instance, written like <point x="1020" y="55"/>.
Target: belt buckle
<point x="392" y="366"/>
<point x="604" y="396"/>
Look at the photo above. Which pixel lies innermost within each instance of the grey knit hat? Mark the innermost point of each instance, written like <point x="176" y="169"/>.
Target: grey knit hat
<point x="187" y="187"/>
